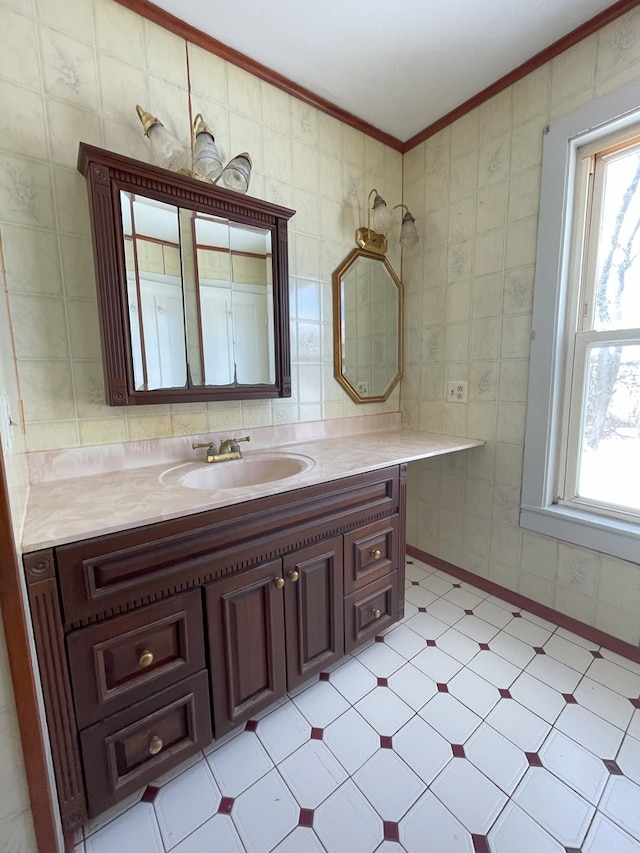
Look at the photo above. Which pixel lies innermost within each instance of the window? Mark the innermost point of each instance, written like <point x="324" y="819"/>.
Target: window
<point x="581" y="477"/>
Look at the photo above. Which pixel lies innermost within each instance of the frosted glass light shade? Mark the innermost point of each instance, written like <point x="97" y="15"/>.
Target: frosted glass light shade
<point x="237" y="173"/>
<point x="207" y="162"/>
<point x="380" y="215"/>
<point x="408" y="232"/>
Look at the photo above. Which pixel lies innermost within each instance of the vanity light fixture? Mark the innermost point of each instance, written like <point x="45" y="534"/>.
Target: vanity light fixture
<point x="204" y="158"/>
<point x="373" y="238"/>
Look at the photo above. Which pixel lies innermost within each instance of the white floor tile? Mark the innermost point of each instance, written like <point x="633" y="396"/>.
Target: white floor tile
<point x="528" y="632"/>
<point x="464" y="598"/>
<point x="470" y="795"/>
<point x="538" y="697"/>
<point x="436" y="584"/>
<point x="321" y="704"/>
<point x="427" y="625"/>
<point x="625" y="663"/>
<point x="512" y="649"/>
<point x="477" y="629"/>
<point x="416" y="572"/>
<point x="239" y="763"/>
<point x="498" y="758"/>
<point x="137" y="829"/>
<point x="615" y="677"/>
<point x="605" y="837"/>
<point x="628" y="758"/>
<point x="453" y="720"/>
<point x="620" y="803"/>
<point x="497" y="616"/>
<point x="634" y="726"/>
<point x="604" y="702"/>
<point x="353" y="680"/>
<point x="381" y="659"/>
<point x="283" y="731"/>
<point x="389" y="784"/>
<point x="495" y="669"/>
<point x="430" y="819"/>
<point x="265" y="813"/>
<point x="218" y="833"/>
<point x="420" y="596"/>
<point x="351" y="739"/>
<point x="435" y="663"/>
<point x="445" y="611"/>
<point x="515" y="831"/>
<point x="518" y="724"/>
<point x="347" y="823"/>
<point x="423" y="749"/>
<point x="404" y="641"/>
<point x="301" y="840"/>
<point x="569" y="653"/>
<point x="557" y="675"/>
<point x="473" y="691"/>
<point x="412" y="686"/>
<point x="458" y="645"/>
<point x="563" y="813"/>
<point x="574" y="765"/>
<point x="594" y="733"/>
<point x="312" y="772"/>
<point x="186" y="803"/>
<point x="410" y="610"/>
<point x="385" y="711"/>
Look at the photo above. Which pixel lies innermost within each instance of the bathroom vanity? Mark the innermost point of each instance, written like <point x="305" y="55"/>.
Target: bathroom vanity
<point x="153" y="639"/>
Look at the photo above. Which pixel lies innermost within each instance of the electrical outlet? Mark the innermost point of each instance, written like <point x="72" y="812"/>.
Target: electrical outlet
<point x="456" y="392"/>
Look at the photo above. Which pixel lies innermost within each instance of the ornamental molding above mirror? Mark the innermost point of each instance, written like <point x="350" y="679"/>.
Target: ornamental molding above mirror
<point x="192" y="283"/>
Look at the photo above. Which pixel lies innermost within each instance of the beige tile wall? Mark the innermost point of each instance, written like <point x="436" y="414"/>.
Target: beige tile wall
<point x="69" y="73"/>
<point x="469" y="285"/>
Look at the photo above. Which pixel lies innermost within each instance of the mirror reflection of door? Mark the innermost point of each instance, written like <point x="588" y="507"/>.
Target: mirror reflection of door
<point x="200" y="296"/>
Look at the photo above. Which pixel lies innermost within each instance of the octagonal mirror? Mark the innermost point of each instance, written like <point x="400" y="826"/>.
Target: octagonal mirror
<point x="367" y="309"/>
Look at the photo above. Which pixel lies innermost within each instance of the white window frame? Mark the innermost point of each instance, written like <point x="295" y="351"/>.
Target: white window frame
<point x="540" y="511"/>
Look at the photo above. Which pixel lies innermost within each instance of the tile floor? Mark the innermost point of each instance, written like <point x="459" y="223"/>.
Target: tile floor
<point x="471" y="726"/>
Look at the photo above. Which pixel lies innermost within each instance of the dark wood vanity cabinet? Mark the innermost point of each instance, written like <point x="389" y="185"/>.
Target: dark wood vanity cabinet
<point x="151" y="641"/>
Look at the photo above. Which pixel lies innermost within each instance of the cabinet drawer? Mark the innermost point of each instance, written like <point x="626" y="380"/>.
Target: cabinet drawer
<point x="370" y="610"/>
<point x="127" y="658"/>
<point x="131" y="748"/>
<point x="370" y="553"/>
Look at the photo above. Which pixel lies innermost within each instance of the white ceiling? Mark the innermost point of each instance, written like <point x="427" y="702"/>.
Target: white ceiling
<point x="398" y="66"/>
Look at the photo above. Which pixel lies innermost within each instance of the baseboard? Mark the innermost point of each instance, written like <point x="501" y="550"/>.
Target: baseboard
<point x="593" y="635"/>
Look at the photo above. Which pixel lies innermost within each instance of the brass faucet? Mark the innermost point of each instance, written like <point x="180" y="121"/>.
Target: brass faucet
<point x="229" y="449"/>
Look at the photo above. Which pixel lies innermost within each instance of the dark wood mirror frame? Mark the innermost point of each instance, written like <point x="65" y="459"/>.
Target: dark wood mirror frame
<point x="108" y="174"/>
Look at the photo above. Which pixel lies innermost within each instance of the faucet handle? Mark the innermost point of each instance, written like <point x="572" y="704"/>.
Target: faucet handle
<point x="231" y="444"/>
<point x="195" y="446"/>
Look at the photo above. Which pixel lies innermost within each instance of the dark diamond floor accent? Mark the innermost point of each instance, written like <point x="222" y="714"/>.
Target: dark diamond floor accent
<point x="382" y="682"/>
<point x="409" y="562"/>
<point x="317" y="734"/>
<point x="569" y="698"/>
<point x="469" y="612"/>
<point x="612" y="767"/>
<point x="635" y="702"/>
<point x="534" y="759"/>
<point x="480" y="843"/>
<point x="572" y="850"/>
<point x="415" y="583"/>
<point x="484" y="647"/>
<point x="457" y="585"/>
<point x="379" y="639"/>
<point x="324" y="676"/>
<point x="251" y="726"/>
<point x="442" y="688"/>
<point x="422" y="609"/>
<point x="517" y="615"/>
<point x="226" y="804"/>
<point x="504" y="693"/>
<point x="386" y="742"/>
<point x="306" y="818"/>
<point x="596" y="653"/>
<point x="458" y="750"/>
<point x="539" y="650"/>
<point x="391" y="830"/>
<point x="150" y="793"/>
<point x="431" y="643"/>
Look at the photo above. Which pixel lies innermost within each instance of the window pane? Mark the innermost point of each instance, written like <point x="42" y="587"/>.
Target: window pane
<point x="617" y="299"/>
<point x="609" y="465"/>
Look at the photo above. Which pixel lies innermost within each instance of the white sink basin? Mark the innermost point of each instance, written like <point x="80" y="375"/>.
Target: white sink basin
<point x="253" y="469"/>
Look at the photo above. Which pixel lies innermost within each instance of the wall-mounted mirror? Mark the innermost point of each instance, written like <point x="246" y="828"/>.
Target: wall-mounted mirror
<point x="367" y="314"/>
<point x="192" y="285"/>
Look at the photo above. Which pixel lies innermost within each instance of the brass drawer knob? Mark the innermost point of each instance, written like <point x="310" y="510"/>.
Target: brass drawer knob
<point x="155" y="745"/>
<point x="279" y="582"/>
<point x="294" y="575"/>
<point x="376" y="554"/>
<point x="376" y="613"/>
<point x="145" y="659"/>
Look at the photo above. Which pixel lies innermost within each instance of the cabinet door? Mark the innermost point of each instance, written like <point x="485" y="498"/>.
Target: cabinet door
<point x="314" y="610"/>
<point x="245" y="616"/>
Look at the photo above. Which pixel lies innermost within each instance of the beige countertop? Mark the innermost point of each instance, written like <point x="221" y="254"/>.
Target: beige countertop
<point x="103" y="501"/>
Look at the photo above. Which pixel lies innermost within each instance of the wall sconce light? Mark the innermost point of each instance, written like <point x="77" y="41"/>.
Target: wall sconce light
<point x="204" y="158"/>
<point x="373" y="238"/>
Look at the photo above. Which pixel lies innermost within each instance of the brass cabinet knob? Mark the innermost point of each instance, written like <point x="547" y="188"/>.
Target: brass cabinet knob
<point x="279" y="582"/>
<point x="376" y="554"/>
<point x="145" y="659"/>
<point x="155" y="745"/>
<point x="376" y="613"/>
<point x="294" y="575"/>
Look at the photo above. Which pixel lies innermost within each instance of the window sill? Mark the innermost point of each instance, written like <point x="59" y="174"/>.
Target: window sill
<point x="588" y="529"/>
